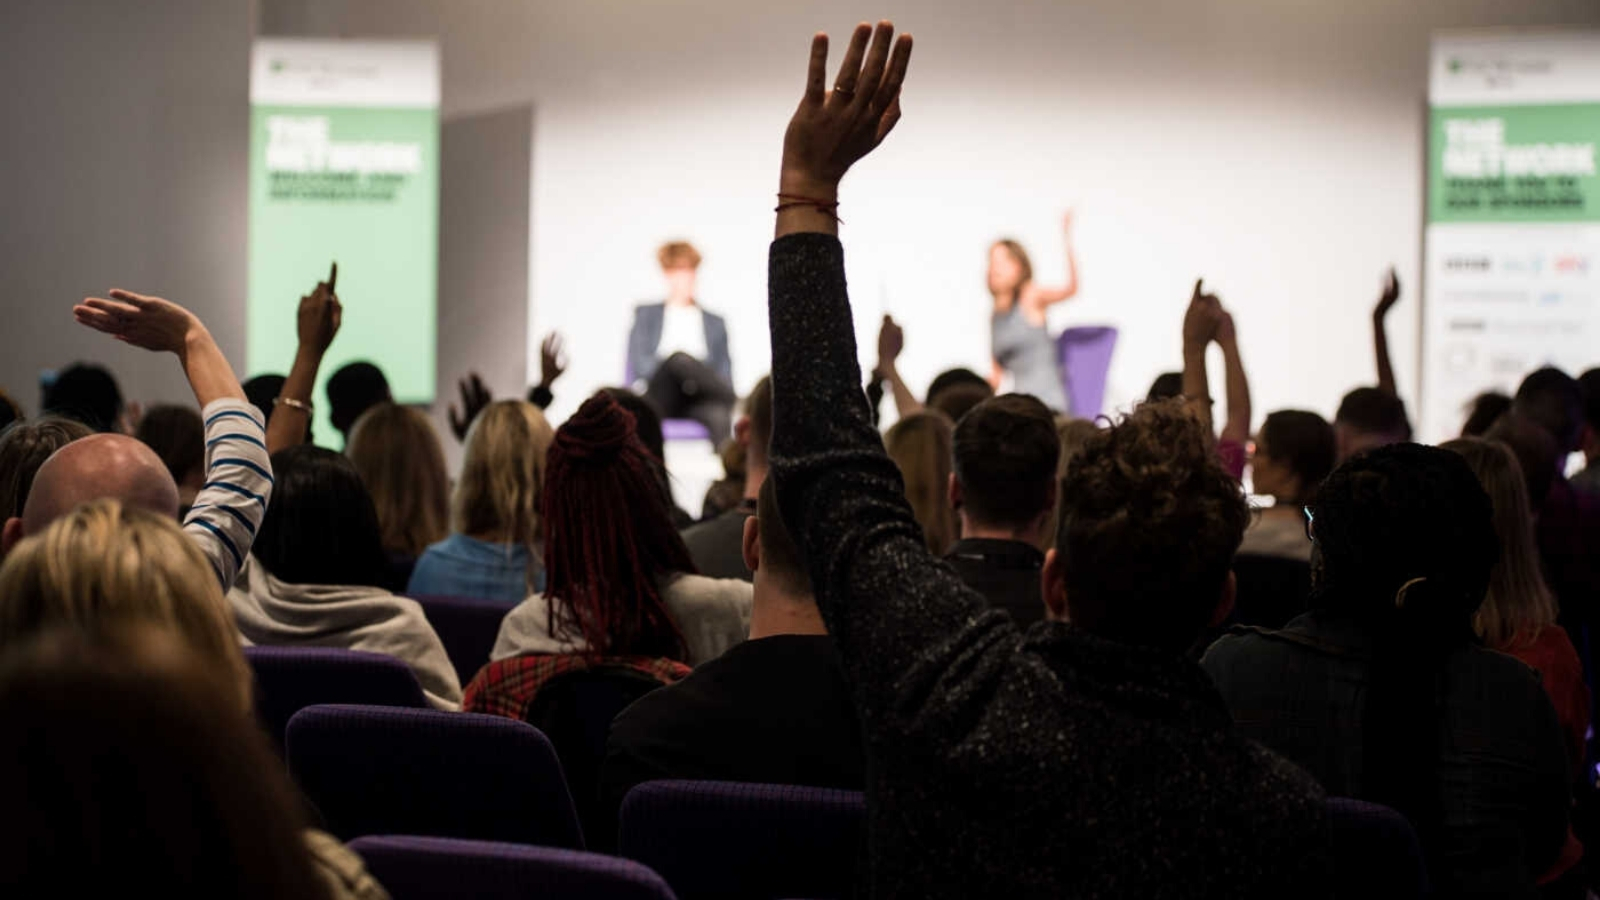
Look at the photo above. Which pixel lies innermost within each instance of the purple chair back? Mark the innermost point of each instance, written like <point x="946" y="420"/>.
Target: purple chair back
<point x="671" y="429"/>
<point x="467" y="627"/>
<point x="424" y="868"/>
<point x="1085" y="356"/>
<point x="1374" y="852"/>
<point x="717" y="839"/>
<point x="379" y="770"/>
<point x="289" y="679"/>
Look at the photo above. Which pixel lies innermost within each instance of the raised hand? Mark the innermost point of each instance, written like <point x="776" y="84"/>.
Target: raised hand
<point x="1066" y="221"/>
<point x="832" y="129"/>
<point x="1203" y="319"/>
<point x="891" y="340"/>
<point x="148" y="322"/>
<point x="1390" y="295"/>
<point x="321" y="314"/>
<point x="552" y="359"/>
<point x="474" y="397"/>
<point x="1225" y="331"/>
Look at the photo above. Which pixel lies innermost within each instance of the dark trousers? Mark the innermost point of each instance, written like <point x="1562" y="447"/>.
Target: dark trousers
<point x="686" y="388"/>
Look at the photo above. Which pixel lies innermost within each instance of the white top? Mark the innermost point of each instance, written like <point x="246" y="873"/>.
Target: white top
<point x="683" y="330"/>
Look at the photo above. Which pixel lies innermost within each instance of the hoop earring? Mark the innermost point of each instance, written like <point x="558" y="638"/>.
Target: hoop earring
<point x="1400" y="595"/>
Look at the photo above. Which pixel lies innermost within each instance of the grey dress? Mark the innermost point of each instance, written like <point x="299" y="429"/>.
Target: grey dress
<point x="1029" y="353"/>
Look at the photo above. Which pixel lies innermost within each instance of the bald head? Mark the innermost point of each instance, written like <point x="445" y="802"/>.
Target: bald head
<point x="101" y="465"/>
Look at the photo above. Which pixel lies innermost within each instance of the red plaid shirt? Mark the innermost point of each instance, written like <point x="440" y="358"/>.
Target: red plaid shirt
<point x="507" y="686"/>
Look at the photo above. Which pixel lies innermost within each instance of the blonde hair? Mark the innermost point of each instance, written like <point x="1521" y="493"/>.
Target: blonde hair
<point x="107" y="565"/>
<point x="1519" y="604"/>
<point x="678" y="255"/>
<point x="502" y="477"/>
<point x="397" y="453"/>
<point x="920" y="444"/>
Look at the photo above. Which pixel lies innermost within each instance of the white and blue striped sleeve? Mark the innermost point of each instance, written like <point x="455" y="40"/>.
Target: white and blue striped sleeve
<point x="228" y="510"/>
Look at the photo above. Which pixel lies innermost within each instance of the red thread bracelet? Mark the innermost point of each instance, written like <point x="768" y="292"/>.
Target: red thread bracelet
<point x="794" y="201"/>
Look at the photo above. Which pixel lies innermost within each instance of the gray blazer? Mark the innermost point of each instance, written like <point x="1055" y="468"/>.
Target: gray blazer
<point x="645" y="336"/>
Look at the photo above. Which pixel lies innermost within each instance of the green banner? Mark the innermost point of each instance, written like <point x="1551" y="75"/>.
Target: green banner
<point x="1514" y="163"/>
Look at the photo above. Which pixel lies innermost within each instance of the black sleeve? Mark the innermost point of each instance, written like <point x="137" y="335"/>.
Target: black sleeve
<point x="540" y="396"/>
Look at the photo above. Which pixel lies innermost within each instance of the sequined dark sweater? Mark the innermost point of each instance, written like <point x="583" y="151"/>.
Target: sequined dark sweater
<point x="1004" y="763"/>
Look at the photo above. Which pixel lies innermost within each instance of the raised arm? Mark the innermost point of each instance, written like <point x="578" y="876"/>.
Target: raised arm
<point x="317" y="322"/>
<point x="1041" y="297"/>
<point x="1199" y="329"/>
<point x="1236" y="427"/>
<point x="1380" y="334"/>
<point x="891" y="340"/>
<point x="552" y="364"/>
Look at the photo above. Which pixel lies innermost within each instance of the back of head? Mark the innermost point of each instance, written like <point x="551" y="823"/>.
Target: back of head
<point x="106" y="563"/>
<point x="320" y="526"/>
<point x="1166" y="386"/>
<point x="354" y="389"/>
<point x="263" y="391"/>
<point x="1006" y="452"/>
<point x="10" y="410"/>
<point x="1518" y="605"/>
<point x="1303" y="442"/>
<point x="609" y="540"/>
<point x="87" y="393"/>
<point x="178" y="436"/>
<point x="1485" y="410"/>
<point x="1074" y="434"/>
<point x="920" y="445"/>
<point x="127" y="769"/>
<point x="646" y="421"/>
<point x="24" y="446"/>
<point x="1589" y="384"/>
<point x="1148" y="527"/>
<point x="100" y="465"/>
<point x="1537" y="453"/>
<point x="501" y="491"/>
<point x="758" y="407"/>
<point x="1553" y="400"/>
<point x="397" y="454"/>
<point x="781" y="560"/>
<point x="1368" y="418"/>
<point x="953" y="378"/>
<point x="959" y="399"/>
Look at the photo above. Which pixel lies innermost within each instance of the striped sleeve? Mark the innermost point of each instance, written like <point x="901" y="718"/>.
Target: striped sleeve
<point x="228" y="510"/>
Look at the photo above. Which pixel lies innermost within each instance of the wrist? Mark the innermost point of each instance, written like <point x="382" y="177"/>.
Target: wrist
<point x="1194" y="350"/>
<point x="309" y="353"/>
<point x="802" y="184"/>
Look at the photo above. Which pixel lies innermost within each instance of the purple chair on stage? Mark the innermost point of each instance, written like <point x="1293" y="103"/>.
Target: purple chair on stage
<point x="1374" y="852"/>
<point x="467" y="627"/>
<point x="424" y="868"/>
<point x="717" y="839"/>
<point x="289" y="679"/>
<point x="1085" y="357"/>
<point x="380" y="770"/>
<point x="672" y="429"/>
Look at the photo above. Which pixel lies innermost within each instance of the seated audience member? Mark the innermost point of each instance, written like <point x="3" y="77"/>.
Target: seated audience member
<point x="1294" y="452"/>
<point x="1060" y="763"/>
<point x="1484" y="410"/>
<point x="261" y="391"/>
<point x="130" y="771"/>
<point x="648" y="426"/>
<point x="952" y="392"/>
<point x="87" y="393"/>
<point x="178" y="436"/>
<point x="775" y="709"/>
<point x="496" y="550"/>
<point x="678" y="352"/>
<point x="24" y="446"/>
<point x="1003" y="489"/>
<point x="727" y="492"/>
<point x="958" y="400"/>
<point x="1168" y="385"/>
<point x="107" y="565"/>
<point x="396" y="451"/>
<point x="317" y="321"/>
<point x="920" y="445"/>
<point x="1589" y="479"/>
<point x="1382" y="692"/>
<point x="717" y="546"/>
<point x="552" y="365"/>
<point x="354" y="389"/>
<point x="315" y="576"/>
<point x="619" y="580"/>
<point x="10" y="411"/>
<point x="1369" y="418"/>
<point x="228" y="509"/>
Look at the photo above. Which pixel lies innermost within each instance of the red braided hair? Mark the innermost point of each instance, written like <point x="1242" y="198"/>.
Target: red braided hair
<point x="609" y="537"/>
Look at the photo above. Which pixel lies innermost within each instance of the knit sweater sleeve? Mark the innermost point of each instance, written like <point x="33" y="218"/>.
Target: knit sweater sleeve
<point x="891" y="606"/>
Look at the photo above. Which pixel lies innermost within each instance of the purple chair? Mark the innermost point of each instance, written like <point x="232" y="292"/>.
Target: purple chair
<point x="1085" y="357"/>
<point x="289" y="679"/>
<point x="467" y="627"/>
<point x="718" y="839"/>
<point x="1374" y="852"/>
<point x="672" y="429"/>
<point x="424" y="868"/>
<point x="380" y="770"/>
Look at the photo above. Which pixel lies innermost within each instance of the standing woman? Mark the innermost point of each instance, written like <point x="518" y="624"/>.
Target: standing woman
<point x="1019" y="335"/>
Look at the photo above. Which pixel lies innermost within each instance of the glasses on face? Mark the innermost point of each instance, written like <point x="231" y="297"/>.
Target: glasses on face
<point x="1311" y="520"/>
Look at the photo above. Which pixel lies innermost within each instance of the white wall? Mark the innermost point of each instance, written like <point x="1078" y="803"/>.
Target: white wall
<point x="1273" y="146"/>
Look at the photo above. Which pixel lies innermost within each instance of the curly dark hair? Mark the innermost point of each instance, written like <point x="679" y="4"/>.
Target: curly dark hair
<point x="1148" y="527"/>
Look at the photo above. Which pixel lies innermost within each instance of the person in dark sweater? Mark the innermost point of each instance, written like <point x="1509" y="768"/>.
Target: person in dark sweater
<point x="717" y="545"/>
<point x="774" y="709"/>
<point x="1081" y="760"/>
<point x="1003" y="488"/>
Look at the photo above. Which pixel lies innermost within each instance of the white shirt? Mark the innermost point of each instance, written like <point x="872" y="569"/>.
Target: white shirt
<point x="683" y="330"/>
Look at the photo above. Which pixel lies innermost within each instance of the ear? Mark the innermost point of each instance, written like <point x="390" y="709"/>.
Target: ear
<point x="1230" y="593"/>
<point x="741" y="431"/>
<point x="752" y="543"/>
<point x="10" y="536"/>
<point x="955" y="492"/>
<point x="1053" y="587"/>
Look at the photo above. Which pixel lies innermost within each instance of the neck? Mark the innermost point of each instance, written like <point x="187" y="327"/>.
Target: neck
<point x="777" y="612"/>
<point x="1032" y="535"/>
<point x="676" y="300"/>
<point x="755" y="475"/>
